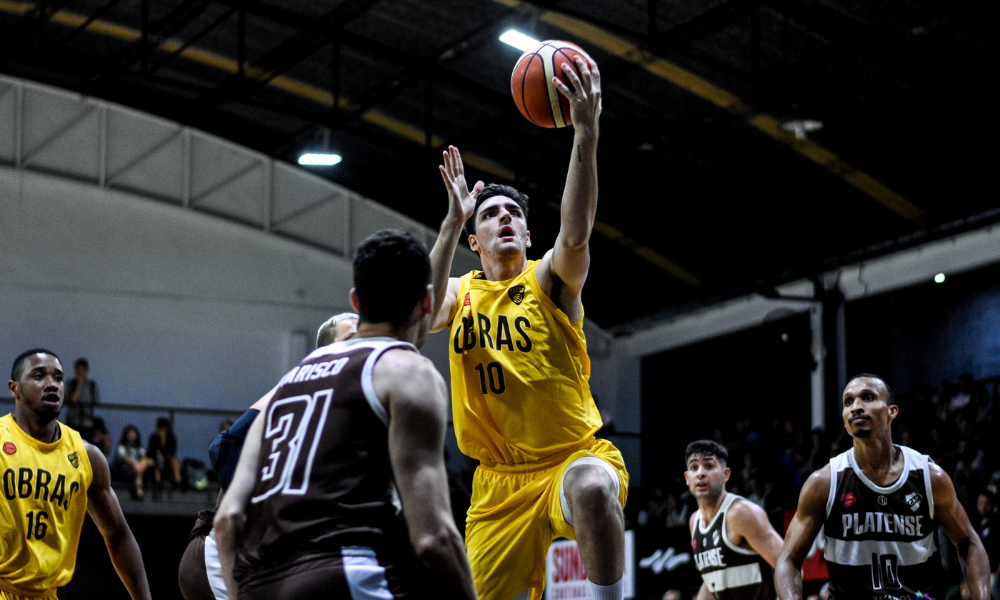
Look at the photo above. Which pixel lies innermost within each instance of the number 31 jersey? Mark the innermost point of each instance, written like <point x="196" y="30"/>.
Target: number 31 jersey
<point x="881" y="541"/>
<point x="324" y="479"/>
<point x="519" y="373"/>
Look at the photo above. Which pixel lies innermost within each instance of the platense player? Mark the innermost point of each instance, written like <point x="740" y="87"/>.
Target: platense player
<point x="519" y="371"/>
<point x="51" y="477"/>
<point x="879" y="506"/>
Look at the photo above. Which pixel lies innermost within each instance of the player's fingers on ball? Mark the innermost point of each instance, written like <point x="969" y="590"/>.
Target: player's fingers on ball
<point x="573" y="79"/>
<point x="565" y="91"/>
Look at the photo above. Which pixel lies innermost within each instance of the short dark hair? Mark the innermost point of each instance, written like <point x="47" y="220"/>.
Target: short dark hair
<point x="706" y="448"/>
<point x="164" y="422"/>
<point x="391" y="272"/>
<point x="892" y="397"/>
<point x="491" y="190"/>
<point x="17" y="370"/>
<point x="82" y="362"/>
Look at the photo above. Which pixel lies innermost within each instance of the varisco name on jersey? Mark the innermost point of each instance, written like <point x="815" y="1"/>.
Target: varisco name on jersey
<point x="877" y="522"/>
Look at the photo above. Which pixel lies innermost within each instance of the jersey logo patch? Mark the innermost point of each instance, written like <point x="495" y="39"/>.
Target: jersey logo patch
<point x="468" y="300"/>
<point x="9" y="448"/>
<point x="516" y="293"/>
<point x="882" y="501"/>
<point x="848" y="500"/>
<point x="715" y="538"/>
<point x="74" y="459"/>
<point x="913" y="501"/>
<point x="694" y="544"/>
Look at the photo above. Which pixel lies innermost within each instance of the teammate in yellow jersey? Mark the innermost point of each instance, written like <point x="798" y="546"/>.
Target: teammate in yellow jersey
<point x="50" y="478"/>
<point x="519" y="371"/>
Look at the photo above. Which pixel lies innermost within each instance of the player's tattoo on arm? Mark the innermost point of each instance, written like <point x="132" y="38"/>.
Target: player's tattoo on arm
<point x="579" y="154"/>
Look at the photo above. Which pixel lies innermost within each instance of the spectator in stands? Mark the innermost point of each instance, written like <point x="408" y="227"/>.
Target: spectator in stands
<point x="672" y="595"/>
<point x="102" y="437"/>
<point x="942" y="399"/>
<point x="81" y="397"/>
<point x="677" y="512"/>
<point x="163" y="451"/>
<point x="962" y="397"/>
<point x="130" y="459"/>
<point x="987" y="526"/>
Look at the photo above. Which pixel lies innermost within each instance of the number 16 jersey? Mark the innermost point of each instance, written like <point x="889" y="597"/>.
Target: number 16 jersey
<point x="881" y="541"/>
<point x="519" y="373"/>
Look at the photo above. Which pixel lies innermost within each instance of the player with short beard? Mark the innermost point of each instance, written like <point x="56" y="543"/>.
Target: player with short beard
<point x="879" y="505"/>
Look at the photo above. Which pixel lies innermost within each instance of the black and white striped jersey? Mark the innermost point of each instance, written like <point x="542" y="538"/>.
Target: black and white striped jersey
<point x="880" y="541"/>
<point x="729" y="571"/>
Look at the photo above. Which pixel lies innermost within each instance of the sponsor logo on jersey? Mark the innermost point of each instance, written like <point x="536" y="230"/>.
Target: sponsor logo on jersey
<point x="9" y="448"/>
<point x="882" y="500"/>
<point x="516" y="293"/>
<point x="74" y="459"/>
<point x="848" y="500"/>
<point x="468" y="300"/>
<point x="913" y="501"/>
<point x="715" y="537"/>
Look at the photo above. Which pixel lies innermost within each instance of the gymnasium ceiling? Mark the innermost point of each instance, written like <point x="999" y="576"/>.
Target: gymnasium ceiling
<point x="704" y="194"/>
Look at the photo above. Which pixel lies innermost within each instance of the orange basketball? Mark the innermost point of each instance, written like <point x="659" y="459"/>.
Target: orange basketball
<point x="531" y="82"/>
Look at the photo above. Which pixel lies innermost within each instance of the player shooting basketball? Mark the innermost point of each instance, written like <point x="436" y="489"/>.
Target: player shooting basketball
<point x="519" y="371"/>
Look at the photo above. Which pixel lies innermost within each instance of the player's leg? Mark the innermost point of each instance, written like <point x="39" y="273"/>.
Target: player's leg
<point x="591" y="493"/>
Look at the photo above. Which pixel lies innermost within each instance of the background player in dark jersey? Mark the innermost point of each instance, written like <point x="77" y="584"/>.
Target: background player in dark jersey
<point x="734" y="545"/>
<point x="880" y="505"/>
<point x="323" y="523"/>
<point x="200" y="572"/>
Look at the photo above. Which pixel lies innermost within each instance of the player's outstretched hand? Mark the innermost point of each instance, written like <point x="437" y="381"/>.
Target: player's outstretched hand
<point x="585" y="97"/>
<point x="461" y="202"/>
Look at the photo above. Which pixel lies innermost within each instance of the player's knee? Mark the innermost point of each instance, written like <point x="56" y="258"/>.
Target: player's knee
<point x="591" y="489"/>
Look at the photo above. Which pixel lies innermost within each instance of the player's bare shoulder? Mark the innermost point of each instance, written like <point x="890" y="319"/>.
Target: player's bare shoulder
<point x="816" y="489"/>
<point x="403" y="373"/>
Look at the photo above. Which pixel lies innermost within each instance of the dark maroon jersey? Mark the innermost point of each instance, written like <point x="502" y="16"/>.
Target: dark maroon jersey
<point x="324" y="480"/>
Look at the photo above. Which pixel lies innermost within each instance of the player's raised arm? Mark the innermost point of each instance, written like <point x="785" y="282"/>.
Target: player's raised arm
<point x="418" y="403"/>
<point x="802" y="532"/>
<point x="461" y="207"/>
<point x="103" y="508"/>
<point x="231" y="516"/>
<point x="749" y="522"/>
<point x="570" y="259"/>
<point x="955" y="522"/>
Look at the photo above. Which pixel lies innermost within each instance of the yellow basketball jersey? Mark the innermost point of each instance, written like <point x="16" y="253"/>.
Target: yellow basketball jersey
<point x="519" y="373"/>
<point x="42" y="508"/>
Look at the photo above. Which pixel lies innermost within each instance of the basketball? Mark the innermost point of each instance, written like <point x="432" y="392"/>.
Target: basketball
<point x="531" y="82"/>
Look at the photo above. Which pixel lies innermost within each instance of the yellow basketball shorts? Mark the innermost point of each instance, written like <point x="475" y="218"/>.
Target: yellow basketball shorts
<point x="6" y="595"/>
<point x="515" y="514"/>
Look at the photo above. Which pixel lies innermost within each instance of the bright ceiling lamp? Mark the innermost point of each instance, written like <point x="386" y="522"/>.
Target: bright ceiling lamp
<point x="939" y="278"/>
<point x="319" y="159"/>
<point x="518" y="40"/>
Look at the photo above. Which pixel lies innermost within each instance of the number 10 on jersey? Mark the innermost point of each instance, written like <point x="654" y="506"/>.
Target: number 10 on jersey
<point x="491" y="374"/>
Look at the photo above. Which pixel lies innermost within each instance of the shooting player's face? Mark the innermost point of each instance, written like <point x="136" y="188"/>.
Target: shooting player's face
<point x="706" y="476"/>
<point x="501" y="228"/>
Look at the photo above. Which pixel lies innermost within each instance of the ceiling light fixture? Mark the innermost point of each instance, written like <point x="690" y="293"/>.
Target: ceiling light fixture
<point x="939" y="278"/>
<point x="800" y="127"/>
<point x="319" y="159"/>
<point x="518" y="40"/>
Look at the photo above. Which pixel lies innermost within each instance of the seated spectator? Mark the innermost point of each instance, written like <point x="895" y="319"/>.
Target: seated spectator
<point x="962" y="398"/>
<point x="677" y="512"/>
<point x="130" y="460"/>
<point x="102" y="437"/>
<point x="163" y="451"/>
